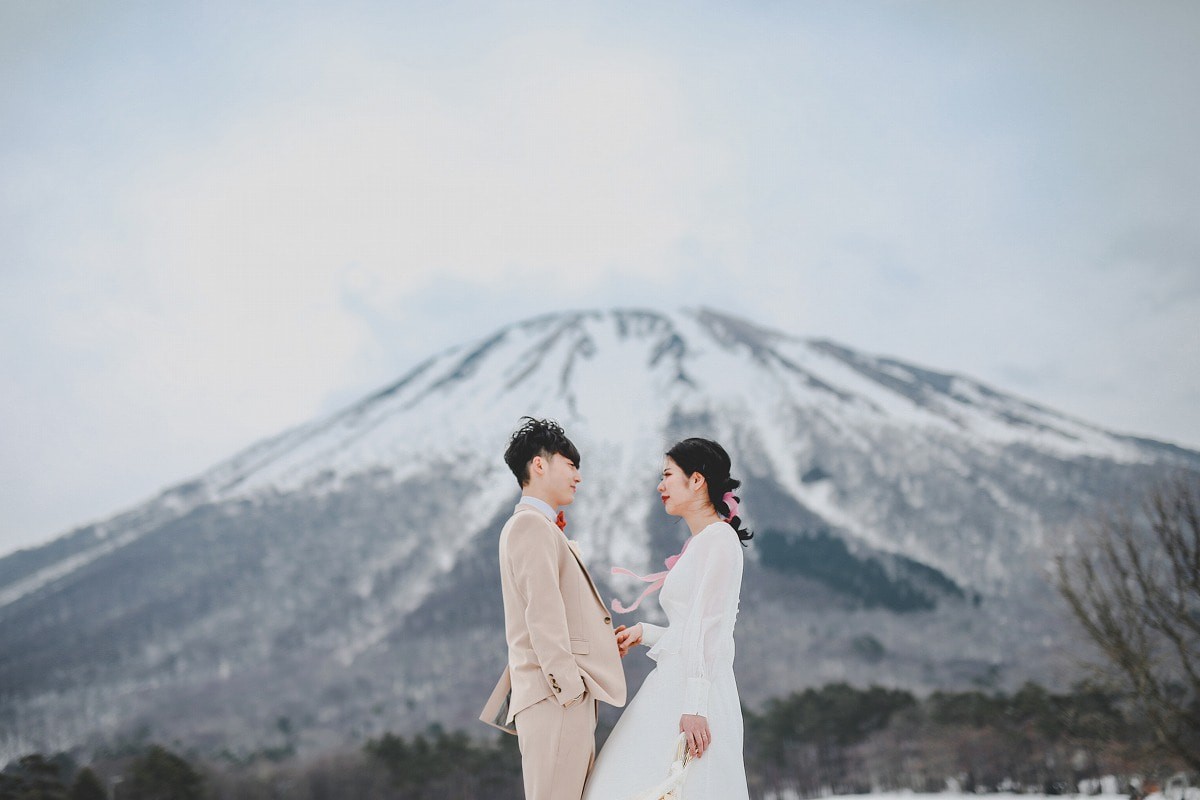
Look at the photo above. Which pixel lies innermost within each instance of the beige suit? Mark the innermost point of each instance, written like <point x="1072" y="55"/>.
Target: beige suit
<point x="562" y="657"/>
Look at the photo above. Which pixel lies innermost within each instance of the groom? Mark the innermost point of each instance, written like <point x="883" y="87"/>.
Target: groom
<point x="562" y="653"/>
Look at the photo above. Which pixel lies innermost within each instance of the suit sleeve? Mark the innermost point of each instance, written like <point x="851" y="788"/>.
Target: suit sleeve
<point x="534" y="560"/>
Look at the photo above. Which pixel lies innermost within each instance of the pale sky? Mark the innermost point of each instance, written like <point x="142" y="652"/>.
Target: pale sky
<point x="217" y="222"/>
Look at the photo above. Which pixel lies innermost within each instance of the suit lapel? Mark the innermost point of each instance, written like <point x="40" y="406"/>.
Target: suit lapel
<point x="595" y="592"/>
<point x="588" y="575"/>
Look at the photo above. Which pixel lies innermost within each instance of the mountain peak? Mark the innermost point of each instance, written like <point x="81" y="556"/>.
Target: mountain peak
<point x="348" y="565"/>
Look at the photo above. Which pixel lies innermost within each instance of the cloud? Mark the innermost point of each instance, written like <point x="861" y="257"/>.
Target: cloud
<point x="214" y="288"/>
<point x="219" y="222"/>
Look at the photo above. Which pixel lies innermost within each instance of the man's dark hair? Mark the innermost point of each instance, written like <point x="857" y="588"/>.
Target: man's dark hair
<point x="537" y="437"/>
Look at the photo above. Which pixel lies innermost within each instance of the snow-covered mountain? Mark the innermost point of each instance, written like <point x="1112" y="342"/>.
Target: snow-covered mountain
<point x="342" y="575"/>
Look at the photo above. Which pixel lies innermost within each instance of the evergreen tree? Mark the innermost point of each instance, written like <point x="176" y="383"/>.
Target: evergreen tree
<point x="87" y="787"/>
<point x="162" y="775"/>
<point x="10" y="786"/>
<point x="40" y="779"/>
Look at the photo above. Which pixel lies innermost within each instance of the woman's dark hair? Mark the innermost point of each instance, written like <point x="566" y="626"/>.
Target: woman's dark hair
<point x="710" y="460"/>
<point x="537" y="437"/>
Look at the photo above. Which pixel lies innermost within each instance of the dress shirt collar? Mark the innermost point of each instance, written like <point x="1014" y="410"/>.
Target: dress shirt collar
<point x="540" y="505"/>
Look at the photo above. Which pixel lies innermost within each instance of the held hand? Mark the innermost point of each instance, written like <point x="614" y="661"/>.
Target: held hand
<point x="617" y="633"/>
<point x="698" y="735"/>
<point x="628" y="638"/>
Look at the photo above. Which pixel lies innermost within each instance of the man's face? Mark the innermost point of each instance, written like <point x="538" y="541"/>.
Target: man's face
<point x="559" y="479"/>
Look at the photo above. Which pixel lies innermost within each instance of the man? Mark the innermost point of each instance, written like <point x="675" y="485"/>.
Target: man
<point x="562" y="652"/>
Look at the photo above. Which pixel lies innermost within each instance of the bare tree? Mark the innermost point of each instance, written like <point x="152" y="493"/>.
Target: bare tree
<point x="1134" y="586"/>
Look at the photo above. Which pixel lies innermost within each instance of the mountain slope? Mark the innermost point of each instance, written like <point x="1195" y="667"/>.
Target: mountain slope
<point x="342" y="574"/>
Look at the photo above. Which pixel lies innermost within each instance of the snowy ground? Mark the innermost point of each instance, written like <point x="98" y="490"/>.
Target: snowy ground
<point x="963" y="796"/>
<point x="973" y="796"/>
<point x="1191" y="793"/>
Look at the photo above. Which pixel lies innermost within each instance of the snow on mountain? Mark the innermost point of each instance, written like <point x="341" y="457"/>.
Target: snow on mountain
<point x="570" y="361"/>
<point x="343" y="572"/>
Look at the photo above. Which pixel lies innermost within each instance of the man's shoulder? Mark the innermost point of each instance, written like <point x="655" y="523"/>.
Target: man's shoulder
<point x="527" y="515"/>
<point x="527" y="522"/>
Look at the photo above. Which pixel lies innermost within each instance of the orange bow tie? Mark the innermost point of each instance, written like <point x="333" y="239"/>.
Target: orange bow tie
<point x="561" y="522"/>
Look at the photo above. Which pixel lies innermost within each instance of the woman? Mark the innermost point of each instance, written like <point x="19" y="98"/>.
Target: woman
<point x="692" y="689"/>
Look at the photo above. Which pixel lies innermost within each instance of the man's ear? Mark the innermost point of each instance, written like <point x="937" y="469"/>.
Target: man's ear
<point x="537" y="465"/>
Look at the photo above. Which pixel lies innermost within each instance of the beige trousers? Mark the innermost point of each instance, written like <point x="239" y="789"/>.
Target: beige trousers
<point x="558" y="746"/>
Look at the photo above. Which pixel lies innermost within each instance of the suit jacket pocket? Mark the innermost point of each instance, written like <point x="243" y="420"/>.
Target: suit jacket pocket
<point x="580" y="647"/>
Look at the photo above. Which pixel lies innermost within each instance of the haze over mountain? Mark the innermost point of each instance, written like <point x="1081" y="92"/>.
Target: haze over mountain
<point x="339" y="580"/>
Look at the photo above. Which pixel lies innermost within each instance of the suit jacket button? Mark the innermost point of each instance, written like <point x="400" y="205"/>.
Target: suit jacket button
<point x="608" y="620"/>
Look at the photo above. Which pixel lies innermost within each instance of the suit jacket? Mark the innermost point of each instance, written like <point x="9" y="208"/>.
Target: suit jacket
<point x="559" y="631"/>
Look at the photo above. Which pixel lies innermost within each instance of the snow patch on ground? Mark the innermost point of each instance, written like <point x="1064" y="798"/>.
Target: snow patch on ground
<point x="907" y="795"/>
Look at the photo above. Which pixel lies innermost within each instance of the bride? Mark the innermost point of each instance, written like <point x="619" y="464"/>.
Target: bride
<point x="692" y="689"/>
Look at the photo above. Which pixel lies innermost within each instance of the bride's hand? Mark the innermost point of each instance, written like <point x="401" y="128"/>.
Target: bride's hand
<point x="628" y="638"/>
<point x="698" y="735"/>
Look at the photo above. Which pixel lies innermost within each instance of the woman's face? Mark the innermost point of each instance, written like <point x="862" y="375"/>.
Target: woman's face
<point x="679" y="491"/>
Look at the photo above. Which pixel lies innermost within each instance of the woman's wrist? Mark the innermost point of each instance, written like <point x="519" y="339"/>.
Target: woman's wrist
<point x="650" y="633"/>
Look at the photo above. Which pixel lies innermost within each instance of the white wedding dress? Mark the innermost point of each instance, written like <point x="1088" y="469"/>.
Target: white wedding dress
<point x="694" y="675"/>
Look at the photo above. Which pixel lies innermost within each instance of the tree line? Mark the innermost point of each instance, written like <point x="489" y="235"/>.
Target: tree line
<point x="154" y="774"/>
<point x="833" y="739"/>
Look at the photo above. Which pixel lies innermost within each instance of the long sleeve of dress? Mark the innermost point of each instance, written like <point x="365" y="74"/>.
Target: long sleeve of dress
<point x="708" y="632"/>
<point x="709" y="627"/>
<point x="651" y="633"/>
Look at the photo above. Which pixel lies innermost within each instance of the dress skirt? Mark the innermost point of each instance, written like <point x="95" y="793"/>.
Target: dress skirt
<point x="641" y="746"/>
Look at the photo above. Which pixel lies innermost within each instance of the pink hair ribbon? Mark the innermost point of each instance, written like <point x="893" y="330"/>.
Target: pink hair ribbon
<point x="732" y="502"/>
<point x="656" y="580"/>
